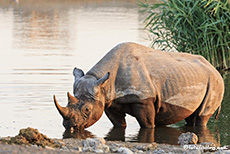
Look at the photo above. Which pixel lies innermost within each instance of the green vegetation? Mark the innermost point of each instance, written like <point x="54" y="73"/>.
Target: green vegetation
<point x="221" y="126"/>
<point x="194" y="26"/>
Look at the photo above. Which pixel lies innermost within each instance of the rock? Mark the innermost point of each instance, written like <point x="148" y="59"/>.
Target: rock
<point x="18" y="140"/>
<point x="221" y="151"/>
<point x="89" y="142"/>
<point x="93" y="142"/>
<point x="151" y="147"/>
<point x="106" y="148"/>
<point x="123" y="150"/>
<point x="58" y="142"/>
<point x="99" y="151"/>
<point x="187" y="138"/>
<point x="78" y="149"/>
<point x="64" y="148"/>
<point x="31" y="136"/>
<point x="101" y="140"/>
<point x="114" y="148"/>
<point x="159" y="151"/>
<point x="95" y="145"/>
<point x="197" y="151"/>
<point x="136" y="151"/>
<point x="49" y="148"/>
<point x="34" y="146"/>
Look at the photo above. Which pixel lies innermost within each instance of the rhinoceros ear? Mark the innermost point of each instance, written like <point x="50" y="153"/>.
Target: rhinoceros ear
<point x="77" y="73"/>
<point x="103" y="79"/>
<point x="71" y="99"/>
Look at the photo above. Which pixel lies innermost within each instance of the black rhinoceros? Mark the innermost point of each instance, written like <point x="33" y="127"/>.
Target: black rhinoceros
<point x="155" y="87"/>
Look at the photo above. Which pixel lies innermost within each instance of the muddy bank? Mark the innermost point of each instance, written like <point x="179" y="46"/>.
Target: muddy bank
<point x="31" y="141"/>
<point x="77" y="146"/>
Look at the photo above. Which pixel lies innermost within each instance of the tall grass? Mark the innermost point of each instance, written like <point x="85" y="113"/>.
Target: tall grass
<point x="194" y="26"/>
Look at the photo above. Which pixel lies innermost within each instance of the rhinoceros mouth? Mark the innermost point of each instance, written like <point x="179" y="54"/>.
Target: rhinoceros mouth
<point x="76" y="127"/>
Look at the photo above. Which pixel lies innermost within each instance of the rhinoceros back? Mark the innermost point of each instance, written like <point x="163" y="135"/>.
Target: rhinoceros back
<point x="179" y="79"/>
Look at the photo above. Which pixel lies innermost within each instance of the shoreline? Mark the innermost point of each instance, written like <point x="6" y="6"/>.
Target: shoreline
<point x="30" y="140"/>
<point x="99" y="145"/>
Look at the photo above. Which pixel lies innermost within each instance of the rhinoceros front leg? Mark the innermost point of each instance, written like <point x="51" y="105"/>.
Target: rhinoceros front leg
<point x="116" y="117"/>
<point x="145" y="114"/>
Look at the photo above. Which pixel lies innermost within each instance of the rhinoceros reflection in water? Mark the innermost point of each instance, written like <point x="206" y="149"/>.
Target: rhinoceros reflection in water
<point x="167" y="135"/>
<point x="155" y="87"/>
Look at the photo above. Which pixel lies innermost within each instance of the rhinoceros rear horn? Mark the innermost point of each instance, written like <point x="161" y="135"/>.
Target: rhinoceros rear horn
<point x="103" y="79"/>
<point x="64" y="111"/>
<point x="71" y="99"/>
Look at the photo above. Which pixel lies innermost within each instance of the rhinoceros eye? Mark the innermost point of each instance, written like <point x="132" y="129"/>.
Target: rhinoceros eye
<point x="86" y="109"/>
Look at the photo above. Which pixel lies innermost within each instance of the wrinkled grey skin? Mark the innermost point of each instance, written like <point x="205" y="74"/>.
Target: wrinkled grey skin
<point x="155" y="87"/>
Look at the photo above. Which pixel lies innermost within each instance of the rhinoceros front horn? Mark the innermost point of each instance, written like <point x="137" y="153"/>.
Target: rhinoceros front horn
<point x="64" y="111"/>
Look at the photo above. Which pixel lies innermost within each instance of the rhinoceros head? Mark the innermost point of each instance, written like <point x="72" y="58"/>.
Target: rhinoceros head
<point x="87" y="104"/>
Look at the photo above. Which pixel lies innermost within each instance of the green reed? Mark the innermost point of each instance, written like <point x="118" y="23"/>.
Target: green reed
<point x="194" y="26"/>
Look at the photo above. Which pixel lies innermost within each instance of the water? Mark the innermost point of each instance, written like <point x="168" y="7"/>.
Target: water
<point x="42" y="41"/>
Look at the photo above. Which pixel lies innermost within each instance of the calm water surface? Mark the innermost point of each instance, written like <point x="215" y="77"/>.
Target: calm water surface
<point x="42" y="41"/>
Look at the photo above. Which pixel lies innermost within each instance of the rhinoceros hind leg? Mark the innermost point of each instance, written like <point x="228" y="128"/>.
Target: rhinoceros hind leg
<point x="202" y="120"/>
<point x="210" y="103"/>
<point x="195" y="120"/>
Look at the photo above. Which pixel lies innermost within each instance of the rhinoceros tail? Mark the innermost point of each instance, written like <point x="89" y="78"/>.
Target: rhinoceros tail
<point x="218" y="112"/>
